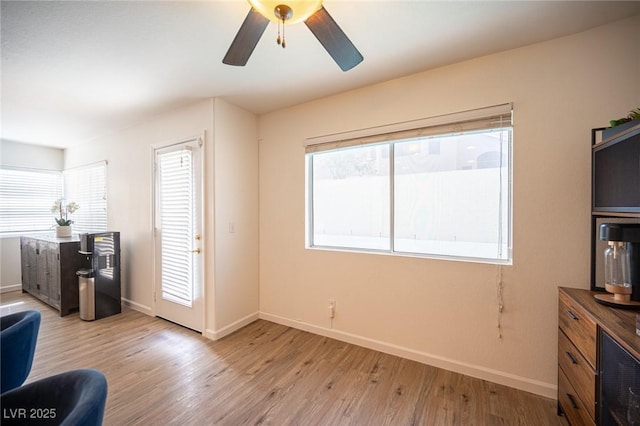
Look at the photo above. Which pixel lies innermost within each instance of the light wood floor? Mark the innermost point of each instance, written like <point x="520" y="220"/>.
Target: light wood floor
<point x="162" y="374"/>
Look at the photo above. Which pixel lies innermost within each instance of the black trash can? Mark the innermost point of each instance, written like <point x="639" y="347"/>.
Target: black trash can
<point x="87" y="294"/>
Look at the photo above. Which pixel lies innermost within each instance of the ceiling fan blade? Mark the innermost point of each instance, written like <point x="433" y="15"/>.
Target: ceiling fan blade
<point x="246" y="40"/>
<point x="334" y="40"/>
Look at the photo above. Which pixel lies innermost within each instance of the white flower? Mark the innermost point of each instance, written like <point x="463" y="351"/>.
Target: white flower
<point x="64" y="210"/>
<point x="72" y="207"/>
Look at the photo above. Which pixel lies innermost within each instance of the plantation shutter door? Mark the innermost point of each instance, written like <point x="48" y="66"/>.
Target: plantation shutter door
<point x="176" y="201"/>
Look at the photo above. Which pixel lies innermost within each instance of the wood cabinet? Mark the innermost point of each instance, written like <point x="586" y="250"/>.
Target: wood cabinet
<point x="49" y="266"/>
<point x="580" y="321"/>
<point x="576" y="361"/>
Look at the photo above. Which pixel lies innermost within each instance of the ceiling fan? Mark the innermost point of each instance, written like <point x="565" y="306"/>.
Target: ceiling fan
<point x="311" y="12"/>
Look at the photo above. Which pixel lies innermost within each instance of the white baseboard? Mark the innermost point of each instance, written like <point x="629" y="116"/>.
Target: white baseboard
<point x="137" y="306"/>
<point x="235" y="326"/>
<point x="547" y="390"/>
<point x="9" y="288"/>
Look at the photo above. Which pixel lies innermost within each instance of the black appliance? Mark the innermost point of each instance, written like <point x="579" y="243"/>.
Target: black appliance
<point x="99" y="278"/>
<point x="616" y="170"/>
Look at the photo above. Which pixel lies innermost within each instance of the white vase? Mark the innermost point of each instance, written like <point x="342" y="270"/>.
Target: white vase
<point x="63" y="231"/>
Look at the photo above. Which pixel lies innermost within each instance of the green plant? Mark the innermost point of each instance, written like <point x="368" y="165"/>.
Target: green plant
<point x="634" y="114"/>
<point x="64" y="210"/>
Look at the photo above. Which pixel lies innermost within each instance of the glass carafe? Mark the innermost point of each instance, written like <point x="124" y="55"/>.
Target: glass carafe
<point x="616" y="269"/>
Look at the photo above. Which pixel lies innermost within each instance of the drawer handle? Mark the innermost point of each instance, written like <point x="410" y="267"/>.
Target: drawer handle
<point x="573" y="401"/>
<point x="572" y="358"/>
<point x="572" y="315"/>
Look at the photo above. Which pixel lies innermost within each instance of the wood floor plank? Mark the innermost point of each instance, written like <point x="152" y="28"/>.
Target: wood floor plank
<point x="265" y="373"/>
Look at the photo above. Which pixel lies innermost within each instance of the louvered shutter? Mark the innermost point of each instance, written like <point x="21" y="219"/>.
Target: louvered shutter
<point x="175" y="205"/>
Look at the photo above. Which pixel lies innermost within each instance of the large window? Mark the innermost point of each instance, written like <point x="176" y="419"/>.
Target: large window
<point x="440" y="190"/>
<point x="26" y="196"/>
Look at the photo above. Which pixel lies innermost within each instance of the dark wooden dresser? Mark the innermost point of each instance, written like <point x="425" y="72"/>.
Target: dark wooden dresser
<point x="581" y="322"/>
<point x="49" y="266"/>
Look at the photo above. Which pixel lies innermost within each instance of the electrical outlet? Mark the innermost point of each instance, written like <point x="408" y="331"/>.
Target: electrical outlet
<point x="332" y="308"/>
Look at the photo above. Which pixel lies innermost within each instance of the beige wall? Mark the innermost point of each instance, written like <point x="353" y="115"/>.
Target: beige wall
<point x="443" y="312"/>
<point x="10" y="272"/>
<point x="236" y="209"/>
<point x="130" y="187"/>
<point x="15" y="154"/>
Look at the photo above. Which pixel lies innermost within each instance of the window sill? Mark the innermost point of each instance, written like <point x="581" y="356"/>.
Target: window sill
<point x="506" y="262"/>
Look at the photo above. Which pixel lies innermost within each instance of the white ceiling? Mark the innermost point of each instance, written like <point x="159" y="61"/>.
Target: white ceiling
<point x="72" y="70"/>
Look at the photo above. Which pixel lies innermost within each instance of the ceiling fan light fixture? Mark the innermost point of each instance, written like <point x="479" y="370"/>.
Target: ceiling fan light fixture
<point x="314" y="16"/>
<point x="301" y="9"/>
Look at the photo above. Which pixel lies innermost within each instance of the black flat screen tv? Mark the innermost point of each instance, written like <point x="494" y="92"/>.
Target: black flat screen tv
<point x="616" y="172"/>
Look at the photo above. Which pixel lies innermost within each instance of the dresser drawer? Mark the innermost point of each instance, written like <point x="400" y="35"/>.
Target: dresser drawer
<point x="572" y="406"/>
<point x="578" y="372"/>
<point x="578" y="327"/>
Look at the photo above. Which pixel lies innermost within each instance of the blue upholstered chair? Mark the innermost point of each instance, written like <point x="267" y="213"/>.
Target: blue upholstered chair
<point x="74" y="398"/>
<point x="18" y="336"/>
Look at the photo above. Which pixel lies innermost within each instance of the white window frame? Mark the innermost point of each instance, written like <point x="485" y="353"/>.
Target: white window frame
<point x="495" y="117"/>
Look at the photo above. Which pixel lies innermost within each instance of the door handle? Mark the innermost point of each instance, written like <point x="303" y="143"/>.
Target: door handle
<point x="197" y="251"/>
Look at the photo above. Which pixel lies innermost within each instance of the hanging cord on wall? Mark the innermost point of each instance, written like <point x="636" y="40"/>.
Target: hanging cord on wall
<point x="499" y="282"/>
<point x="499" y="300"/>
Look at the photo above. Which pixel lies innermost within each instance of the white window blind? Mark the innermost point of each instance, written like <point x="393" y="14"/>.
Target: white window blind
<point x="26" y="196"/>
<point x="175" y="208"/>
<point x="87" y="186"/>
<point x="492" y="117"/>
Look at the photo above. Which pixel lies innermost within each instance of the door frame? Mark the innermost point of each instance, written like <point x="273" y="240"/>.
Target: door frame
<point x="201" y="140"/>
